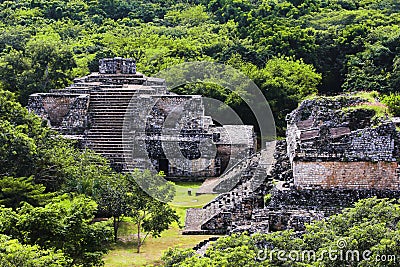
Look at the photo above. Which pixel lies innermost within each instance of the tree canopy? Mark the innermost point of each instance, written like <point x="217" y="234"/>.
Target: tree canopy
<point x="369" y="230"/>
<point x="352" y="45"/>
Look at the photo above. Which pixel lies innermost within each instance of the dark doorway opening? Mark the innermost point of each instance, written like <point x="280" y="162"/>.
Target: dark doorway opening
<point x="163" y="165"/>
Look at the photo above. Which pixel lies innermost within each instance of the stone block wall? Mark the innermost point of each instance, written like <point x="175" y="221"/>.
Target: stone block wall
<point x="350" y="175"/>
<point x="332" y="145"/>
<point x="339" y="144"/>
<point x="179" y="140"/>
<point x="66" y="113"/>
<point x="292" y="208"/>
<point x="117" y="65"/>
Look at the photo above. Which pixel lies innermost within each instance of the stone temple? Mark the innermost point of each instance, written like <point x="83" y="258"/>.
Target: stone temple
<point x="99" y="108"/>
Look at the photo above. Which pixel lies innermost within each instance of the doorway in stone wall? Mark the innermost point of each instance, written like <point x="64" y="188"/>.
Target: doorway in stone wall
<point x="163" y="165"/>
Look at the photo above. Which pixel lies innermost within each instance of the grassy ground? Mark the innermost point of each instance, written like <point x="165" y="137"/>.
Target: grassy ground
<point x="124" y="252"/>
<point x="183" y="199"/>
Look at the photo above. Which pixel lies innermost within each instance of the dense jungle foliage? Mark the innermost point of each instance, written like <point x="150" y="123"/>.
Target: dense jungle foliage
<point x="52" y="193"/>
<point x="289" y="48"/>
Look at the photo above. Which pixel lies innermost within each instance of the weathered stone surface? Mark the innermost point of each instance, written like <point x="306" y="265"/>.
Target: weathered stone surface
<point x="221" y="215"/>
<point x="357" y="175"/>
<point x="117" y="65"/>
<point x="66" y="113"/>
<point x="330" y="145"/>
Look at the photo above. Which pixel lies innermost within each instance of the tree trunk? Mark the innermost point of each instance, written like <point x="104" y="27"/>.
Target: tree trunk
<point x="139" y="243"/>
<point x="116" y="225"/>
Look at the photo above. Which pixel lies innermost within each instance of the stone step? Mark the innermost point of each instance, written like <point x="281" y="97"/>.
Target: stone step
<point x="106" y="124"/>
<point x="113" y="127"/>
<point x="99" y="120"/>
<point x="106" y="145"/>
<point x="116" y="115"/>
<point x="103" y="140"/>
<point x="193" y="219"/>
<point x="108" y="105"/>
<point x="112" y="152"/>
<point x="119" y="118"/>
<point x="110" y="138"/>
<point x="117" y="93"/>
<point x="111" y="100"/>
<point x="113" y="92"/>
<point x="115" y="100"/>
<point x="113" y="97"/>
<point x="104" y="133"/>
<point x="107" y="139"/>
<point x="110" y="110"/>
<point x="106" y="128"/>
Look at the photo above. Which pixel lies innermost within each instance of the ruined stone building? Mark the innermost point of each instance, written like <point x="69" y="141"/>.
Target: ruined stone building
<point x="337" y="151"/>
<point x="122" y="114"/>
<point x="334" y="145"/>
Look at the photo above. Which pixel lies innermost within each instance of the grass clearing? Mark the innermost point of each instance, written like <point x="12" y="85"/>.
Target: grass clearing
<point x="380" y="110"/>
<point x="183" y="199"/>
<point x="123" y="253"/>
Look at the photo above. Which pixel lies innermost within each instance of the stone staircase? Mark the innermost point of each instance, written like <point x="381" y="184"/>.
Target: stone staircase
<point x="216" y="217"/>
<point x="107" y="108"/>
<point x="201" y="247"/>
<point x="227" y="181"/>
<point x="110" y="95"/>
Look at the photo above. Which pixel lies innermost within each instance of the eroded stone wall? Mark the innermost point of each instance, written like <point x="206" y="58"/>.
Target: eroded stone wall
<point x="351" y="175"/>
<point x="117" y="65"/>
<point x="333" y="142"/>
<point x="66" y="113"/>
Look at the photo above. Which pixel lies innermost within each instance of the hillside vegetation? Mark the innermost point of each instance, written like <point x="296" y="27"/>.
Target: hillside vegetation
<point x="289" y="48"/>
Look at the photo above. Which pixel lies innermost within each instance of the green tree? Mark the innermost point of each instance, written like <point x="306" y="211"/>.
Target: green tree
<point x="112" y="200"/>
<point x="193" y="16"/>
<point x="393" y="102"/>
<point x="150" y="215"/>
<point x="44" y="64"/>
<point x="13" y="253"/>
<point x="17" y="150"/>
<point x="66" y="224"/>
<point x="376" y="68"/>
<point x="14" y="191"/>
<point x="285" y="83"/>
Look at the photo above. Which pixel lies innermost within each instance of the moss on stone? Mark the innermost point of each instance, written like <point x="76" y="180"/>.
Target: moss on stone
<point x="380" y="111"/>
